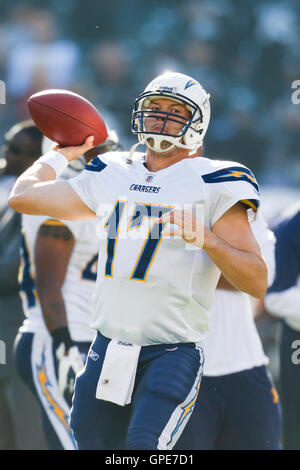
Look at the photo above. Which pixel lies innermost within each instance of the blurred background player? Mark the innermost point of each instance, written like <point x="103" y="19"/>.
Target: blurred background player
<point x="57" y="276"/>
<point x="18" y="412"/>
<point x="237" y="407"/>
<point x="283" y="301"/>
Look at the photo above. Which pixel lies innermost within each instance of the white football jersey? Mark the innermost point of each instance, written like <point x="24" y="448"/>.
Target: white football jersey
<point x="233" y="343"/>
<point x="152" y="289"/>
<point x="79" y="284"/>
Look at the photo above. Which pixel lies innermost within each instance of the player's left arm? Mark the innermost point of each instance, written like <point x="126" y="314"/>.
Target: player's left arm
<point x="266" y="240"/>
<point x="235" y="250"/>
<point x="230" y="244"/>
<point x="224" y="284"/>
<point x="53" y="249"/>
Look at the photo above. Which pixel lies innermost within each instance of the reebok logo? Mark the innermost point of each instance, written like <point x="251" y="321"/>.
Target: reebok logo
<point x="122" y="343"/>
<point x="93" y="355"/>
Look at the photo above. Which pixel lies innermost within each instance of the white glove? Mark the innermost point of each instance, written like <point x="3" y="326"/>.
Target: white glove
<point x="68" y="367"/>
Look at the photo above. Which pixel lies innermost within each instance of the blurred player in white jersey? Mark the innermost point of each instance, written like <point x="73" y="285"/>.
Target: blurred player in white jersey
<point x="238" y="405"/>
<point x="170" y="224"/>
<point x="57" y="278"/>
<point x="22" y="145"/>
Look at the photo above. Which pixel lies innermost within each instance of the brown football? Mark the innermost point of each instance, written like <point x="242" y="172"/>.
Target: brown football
<point x="66" y="118"/>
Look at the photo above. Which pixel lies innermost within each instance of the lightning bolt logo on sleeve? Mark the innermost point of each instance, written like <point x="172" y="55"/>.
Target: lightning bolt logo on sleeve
<point x="235" y="173"/>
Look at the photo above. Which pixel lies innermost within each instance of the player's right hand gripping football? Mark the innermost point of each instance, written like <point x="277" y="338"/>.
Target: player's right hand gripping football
<point x="184" y="224"/>
<point x="69" y="362"/>
<point x="73" y="152"/>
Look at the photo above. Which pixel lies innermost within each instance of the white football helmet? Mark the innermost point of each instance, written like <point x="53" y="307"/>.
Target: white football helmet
<point x="180" y="88"/>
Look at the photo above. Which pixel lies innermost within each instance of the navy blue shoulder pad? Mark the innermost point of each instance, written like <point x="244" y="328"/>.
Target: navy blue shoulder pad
<point x="233" y="173"/>
<point x="95" y="165"/>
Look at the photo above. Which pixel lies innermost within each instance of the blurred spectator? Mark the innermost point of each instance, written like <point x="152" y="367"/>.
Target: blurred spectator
<point x="42" y="59"/>
<point x="246" y="52"/>
<point x="112" y="78"/>
<point x="277" y="23"/>
<point x="15" y="30"/>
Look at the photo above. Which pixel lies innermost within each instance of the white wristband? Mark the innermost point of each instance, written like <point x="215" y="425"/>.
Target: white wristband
<point x="56" y="160"/>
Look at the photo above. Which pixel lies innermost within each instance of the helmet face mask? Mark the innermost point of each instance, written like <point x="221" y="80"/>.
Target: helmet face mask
<point x="181" y="89"/>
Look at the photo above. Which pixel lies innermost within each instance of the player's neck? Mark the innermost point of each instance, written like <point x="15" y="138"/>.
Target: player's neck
<point x="158" y="161"/>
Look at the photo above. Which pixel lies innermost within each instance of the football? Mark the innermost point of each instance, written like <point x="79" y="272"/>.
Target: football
<point x="66" y="117"/>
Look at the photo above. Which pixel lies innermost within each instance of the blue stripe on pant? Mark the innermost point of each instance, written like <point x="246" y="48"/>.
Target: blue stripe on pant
<point x="165" y="391"/>
<point x="26" y="360"/>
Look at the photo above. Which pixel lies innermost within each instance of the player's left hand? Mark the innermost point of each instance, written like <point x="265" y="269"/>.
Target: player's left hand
<point x="189" y="227"/>
<point x="69" y="364"/>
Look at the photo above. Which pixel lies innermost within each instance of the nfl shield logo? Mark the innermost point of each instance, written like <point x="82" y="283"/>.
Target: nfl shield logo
<point x="149" y="178"/>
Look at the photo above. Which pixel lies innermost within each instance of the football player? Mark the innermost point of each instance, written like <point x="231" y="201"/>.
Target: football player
<point x="169" y="225"/>
<point x="282" y="300"/>
<point x="238" y="405"/>
<point x="56" y="279"/>
<point x="22" y="145"/>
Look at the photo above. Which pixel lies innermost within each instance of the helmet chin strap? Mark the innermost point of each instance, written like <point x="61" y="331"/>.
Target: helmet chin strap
<point x="133" y="148"/>
<point x="157" y="146"/>
<point x="173" y="141"/>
